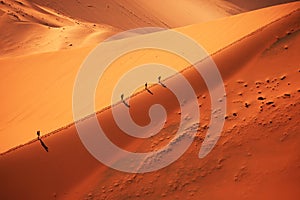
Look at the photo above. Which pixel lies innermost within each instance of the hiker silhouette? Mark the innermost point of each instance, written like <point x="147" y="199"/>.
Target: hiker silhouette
<point x="159" y="78"/>
<point x="124" y="102"/>
<point x="41" y="141"/>
<point x="146" y="88"/>
<point x="38" y="134"/>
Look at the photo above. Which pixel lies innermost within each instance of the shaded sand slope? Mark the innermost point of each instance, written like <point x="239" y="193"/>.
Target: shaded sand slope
<point x="45" y="81"/>
<point x="252" y="5"/>
<point x="256" y="157"/>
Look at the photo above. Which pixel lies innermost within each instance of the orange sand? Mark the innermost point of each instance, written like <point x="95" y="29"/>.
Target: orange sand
<point x="256" y="157"/>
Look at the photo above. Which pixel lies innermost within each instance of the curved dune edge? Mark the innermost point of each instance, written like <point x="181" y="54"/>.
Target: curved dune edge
<point x="18" y="121"/>
<point x="69" y="154"/>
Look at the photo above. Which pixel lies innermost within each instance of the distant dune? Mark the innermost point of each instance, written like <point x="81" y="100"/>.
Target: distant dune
<point x="45" y="26"/>
<point x="252" y="5"/>
<point x="257" y="156"/>
<point x="38" y="26"/>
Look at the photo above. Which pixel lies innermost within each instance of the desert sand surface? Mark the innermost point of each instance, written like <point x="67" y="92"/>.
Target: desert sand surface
<point x="256" y="157"/>
<point x="41" y="76"/>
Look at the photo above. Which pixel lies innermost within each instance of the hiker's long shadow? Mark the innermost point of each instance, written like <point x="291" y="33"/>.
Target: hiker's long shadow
<point x="43" y="144"/>
<point x="124" y="102"/>
<point x="146" y="88"/>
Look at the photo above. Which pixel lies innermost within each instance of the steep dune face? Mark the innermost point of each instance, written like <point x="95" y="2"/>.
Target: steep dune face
<point x="51" y="76"/>
<point x="257" y="156"/>
<point x="215" y="35"/>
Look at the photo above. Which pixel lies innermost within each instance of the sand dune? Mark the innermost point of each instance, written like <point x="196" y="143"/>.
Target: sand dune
<point x="45" y="26"/>
<point x="52" y="81"/>
<point x="256" y="157"/>
<point x="43" y="29"/>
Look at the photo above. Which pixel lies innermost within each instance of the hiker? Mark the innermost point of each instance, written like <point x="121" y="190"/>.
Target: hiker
<point x="161" y="82"/>
<point x="38" y="134"/>
<point x="41" y="141"/>
<point x="122" y="98"/>
<point x="146" y="88"/>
